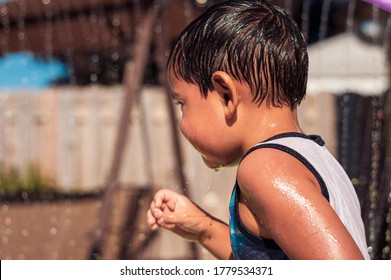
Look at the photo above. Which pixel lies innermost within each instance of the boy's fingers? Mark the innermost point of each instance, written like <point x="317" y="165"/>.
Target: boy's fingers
<point x="170" y="199"/>
<point x="151" y="220"/>
<point x="162" y="209"/>
<point x="154" y="226"/>
<point x="172" y="218"/>
<point x="152" y="206"/>
<point x="154" y="209"/>
<point x="171" y="204"/>
<point x="157" y="201"/>
<point x="161" y="197"/>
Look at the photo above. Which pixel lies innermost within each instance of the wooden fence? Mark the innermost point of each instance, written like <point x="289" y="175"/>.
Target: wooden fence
<point x="69" y="134"/>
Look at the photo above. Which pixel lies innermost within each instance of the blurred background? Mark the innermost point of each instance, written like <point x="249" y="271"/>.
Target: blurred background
<point x="88" y="131"/>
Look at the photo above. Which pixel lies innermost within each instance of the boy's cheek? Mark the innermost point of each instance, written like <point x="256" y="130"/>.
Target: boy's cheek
<point x="188" y="134"/>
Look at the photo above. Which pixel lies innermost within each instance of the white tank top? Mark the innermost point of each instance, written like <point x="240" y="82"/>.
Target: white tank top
<point x="310" y="150"/>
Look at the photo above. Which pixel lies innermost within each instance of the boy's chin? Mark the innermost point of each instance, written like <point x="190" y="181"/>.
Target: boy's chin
<point x="212" y="164"/>
<point x="216" y="166"/>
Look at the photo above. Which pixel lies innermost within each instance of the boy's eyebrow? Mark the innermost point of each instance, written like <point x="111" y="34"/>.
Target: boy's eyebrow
<point x="174" y="95"/>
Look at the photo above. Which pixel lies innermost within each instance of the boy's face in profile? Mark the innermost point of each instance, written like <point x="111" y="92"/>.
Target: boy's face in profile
<point x="203" y="122"/>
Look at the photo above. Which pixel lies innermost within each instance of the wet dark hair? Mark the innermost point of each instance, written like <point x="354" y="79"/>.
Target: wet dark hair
<point x="254" y="41"/>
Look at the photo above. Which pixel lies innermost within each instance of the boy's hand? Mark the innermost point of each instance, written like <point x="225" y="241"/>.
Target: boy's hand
<point x="178" y="214"/>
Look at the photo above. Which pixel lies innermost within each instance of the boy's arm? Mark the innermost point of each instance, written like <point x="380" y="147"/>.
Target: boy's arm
<point x="216" y="239"/>
<point x="289" y="208"/>
<point x="178" y="214"/>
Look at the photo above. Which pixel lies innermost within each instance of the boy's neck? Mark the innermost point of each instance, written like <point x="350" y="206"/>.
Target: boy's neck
<point x="270" y="121"/>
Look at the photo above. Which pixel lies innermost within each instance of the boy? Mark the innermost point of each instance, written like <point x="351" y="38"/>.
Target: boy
<point x="239" y="71"/>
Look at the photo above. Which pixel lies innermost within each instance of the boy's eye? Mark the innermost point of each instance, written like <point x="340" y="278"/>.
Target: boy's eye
<point x="180" y="103"/>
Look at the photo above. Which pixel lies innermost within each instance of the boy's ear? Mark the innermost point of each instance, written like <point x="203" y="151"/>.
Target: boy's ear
<point x="224" y="85"/>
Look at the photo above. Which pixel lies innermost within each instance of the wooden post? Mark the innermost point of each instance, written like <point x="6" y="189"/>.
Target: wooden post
<point x="162" y="49"/>
<point x="133" y="79"/>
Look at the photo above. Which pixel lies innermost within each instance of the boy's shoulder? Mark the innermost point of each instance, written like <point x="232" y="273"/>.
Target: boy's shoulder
<point x="267" y="170"/>
<point x="266" y="161"/>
